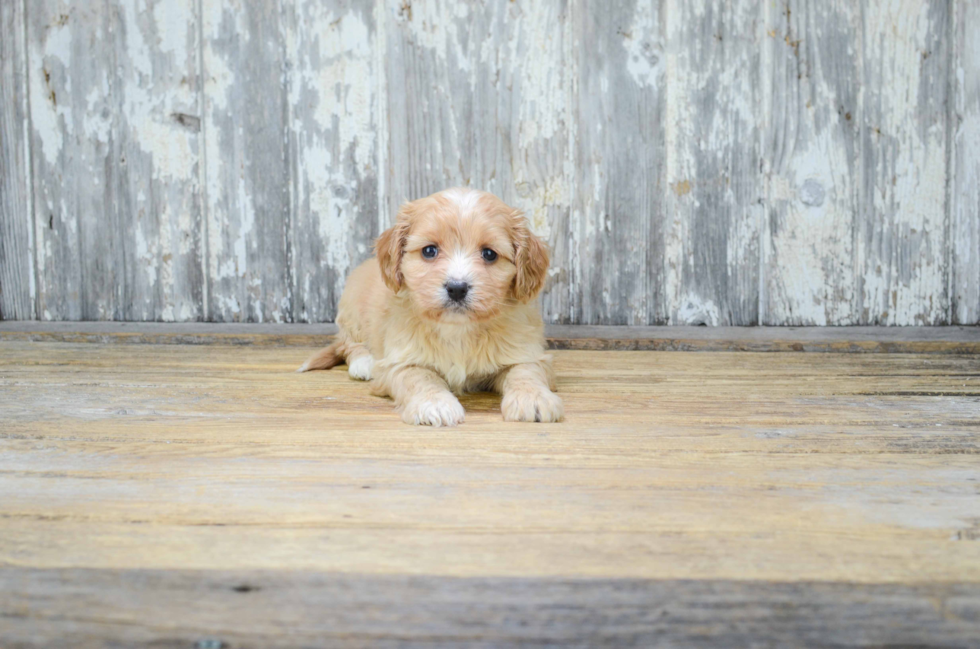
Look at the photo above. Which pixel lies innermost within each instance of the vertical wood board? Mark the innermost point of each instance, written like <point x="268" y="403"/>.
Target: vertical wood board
<point x="714" y="189"/>
<point x="616" y="242"/>
<point x="900" y="235"/>
<point x="333" y="134"/>
<point x="17" y="289"/>
<point x="813" y="162"/>
<point x="964" y="209"/>
<point x="246" y="117"/>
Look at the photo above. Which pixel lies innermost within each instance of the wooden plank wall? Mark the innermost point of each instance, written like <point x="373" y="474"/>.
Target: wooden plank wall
<point x="720" y="162"/>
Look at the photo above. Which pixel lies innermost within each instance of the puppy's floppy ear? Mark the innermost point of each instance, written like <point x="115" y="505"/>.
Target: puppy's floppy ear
<point x="531" y="260"/>
<point x="390" y="247"/>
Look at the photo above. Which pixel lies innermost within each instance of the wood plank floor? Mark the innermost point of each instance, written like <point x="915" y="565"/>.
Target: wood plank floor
<point x="208" y="496"/>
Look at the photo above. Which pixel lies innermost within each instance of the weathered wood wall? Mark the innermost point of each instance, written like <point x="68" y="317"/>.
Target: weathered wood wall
<point x="804" y="162"/>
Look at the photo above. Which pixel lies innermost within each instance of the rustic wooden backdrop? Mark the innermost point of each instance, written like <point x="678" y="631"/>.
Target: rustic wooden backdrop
<point x="689" y="161"/>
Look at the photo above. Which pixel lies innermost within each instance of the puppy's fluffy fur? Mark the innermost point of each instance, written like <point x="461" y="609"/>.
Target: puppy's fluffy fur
<point x="401" y="328"/>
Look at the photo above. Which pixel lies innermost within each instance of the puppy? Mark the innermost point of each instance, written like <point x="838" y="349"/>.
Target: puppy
<point x="447" y="307"/>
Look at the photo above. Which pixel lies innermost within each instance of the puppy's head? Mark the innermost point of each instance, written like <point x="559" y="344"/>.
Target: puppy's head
<point x="462" y="255"/>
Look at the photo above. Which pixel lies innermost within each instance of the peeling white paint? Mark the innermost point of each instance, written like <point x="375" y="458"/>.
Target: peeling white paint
<point x="435" y="26"/>
<point x="693" y="310"/>
<point x="116" y="173"/>
<point x="98" y="119"/>
<point x="146" y="257"/>
<point x="172" y="25"/>
<point x="543" y="107"/>
<point x="644" y="49"/>
<point x="813" y="243"/>
<point x="712" y="116"/>
<point x="344" y="83"/>
<point x="149" y="112"/>
<point x="229" y="304"/>
<point x="381" y="112"/>
<point x="543" y="113"/>
<point x="330" y="211"/>
<point x="219" y="79"/>
<point x="964" y="273"/>
<point x="676" y="133"/>
<point x="909" y="290"/>
<point x="52" y="121"/>
<point x="335" y="113"/>
<point x="538" y="204"/>
<point x="848" y="227"/>
<point x="246" y="223"/>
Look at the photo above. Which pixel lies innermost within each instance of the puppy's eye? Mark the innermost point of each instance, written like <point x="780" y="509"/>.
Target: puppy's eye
<point x="430" y="252"/>
<point x="489" y="255"/>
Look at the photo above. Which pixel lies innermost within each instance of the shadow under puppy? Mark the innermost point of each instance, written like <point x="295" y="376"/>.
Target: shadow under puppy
<point x="447" y="307"/>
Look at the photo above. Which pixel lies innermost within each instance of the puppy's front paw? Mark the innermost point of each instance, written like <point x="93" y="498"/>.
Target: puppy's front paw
<point x="361" y="368"/>
<point x="537" y="405"/>
<point x="438" y="410"/>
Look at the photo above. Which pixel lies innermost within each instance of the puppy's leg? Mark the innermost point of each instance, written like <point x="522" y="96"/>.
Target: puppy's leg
<point x="421" y="396"/>
<point x="527" y="393"/>
<point x="360" y="363"/>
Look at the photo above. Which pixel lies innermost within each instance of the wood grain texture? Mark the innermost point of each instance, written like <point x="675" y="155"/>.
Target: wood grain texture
<point x="334" y="164"/>
<point x="857" y="164"/>
<point x="812" y="163"/>
<point x="68" y="207"/>
<point x="714" y="190"/>
<point x="964" y="214"/>
<point x="17" y="289"/>
<point x="614" y="258"/>
<point x="694" y="466"/>
<point x="113" y="90"/>
<point x="246" y="120"/>
<point x="245" y="609"/>
<point x="901" y="237"/>
<point x="738" y="492"/>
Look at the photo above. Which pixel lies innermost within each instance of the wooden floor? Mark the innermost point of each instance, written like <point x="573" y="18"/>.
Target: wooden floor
<point x="208" y="496"/>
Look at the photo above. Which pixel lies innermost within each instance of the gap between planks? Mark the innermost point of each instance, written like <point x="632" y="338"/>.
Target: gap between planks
<point x="931" y="340"/>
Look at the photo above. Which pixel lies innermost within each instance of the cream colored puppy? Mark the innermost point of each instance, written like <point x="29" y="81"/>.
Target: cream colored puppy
<point x="447" y="307"/>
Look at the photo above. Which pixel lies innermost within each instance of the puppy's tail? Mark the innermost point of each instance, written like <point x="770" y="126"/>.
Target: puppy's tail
<point x="325" y="358"/>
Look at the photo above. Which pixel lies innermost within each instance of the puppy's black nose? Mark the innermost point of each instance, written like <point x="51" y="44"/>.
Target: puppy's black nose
<point x="457" y="290"/>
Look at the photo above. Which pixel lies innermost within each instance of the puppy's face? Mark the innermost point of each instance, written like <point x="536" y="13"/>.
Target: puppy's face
<point x="462" y="255"/>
